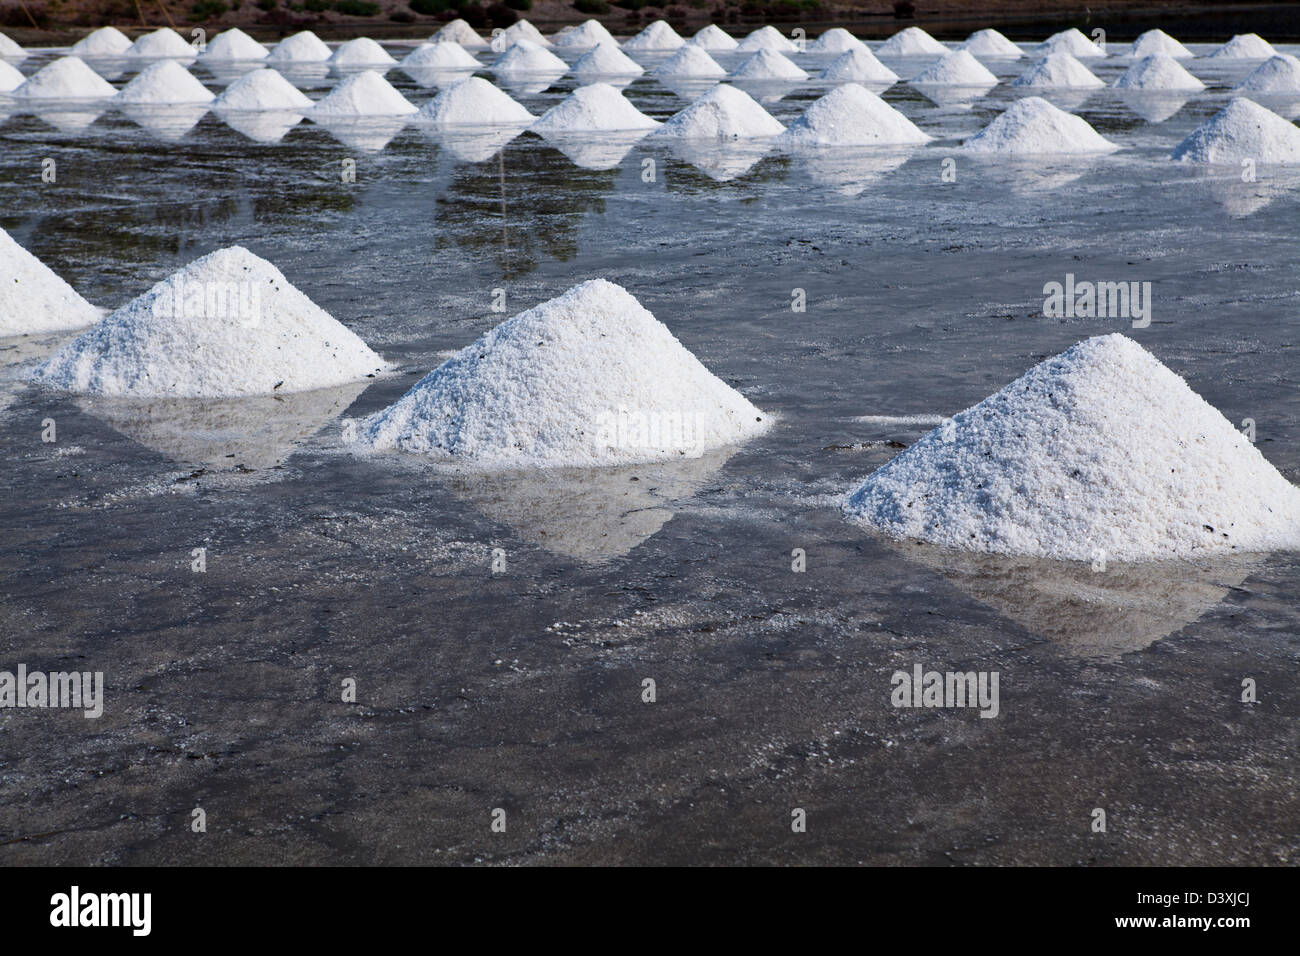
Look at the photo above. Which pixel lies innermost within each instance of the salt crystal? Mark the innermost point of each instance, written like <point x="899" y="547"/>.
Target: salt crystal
<point x="690" y="61"/>
<point x="473" y="102"/>
<point x="858" y="66"/>
<point x="1242" y="130"/>
<point x="595" y="108"/>
<point x="1245" y="46"/>
<point x="66" y="78"/>
<point x="768" y="65"/>
<point x="606" y="59"/>
<point x="303" y="47"/>
<point x="261" y="90"/>
<point x="1158" y="41"/>
<point x="360" y="53"/>
<point x="164" y="83"/>
<point x="1280" y="74"/>
<point x="992" y="45"/>
<point x="1033" y="126"/>
<point x="233" y="44"/>
<point x="851" y="115"/>
<point x="1058" y="71"/>
<point x="106" y="41"/>
<point x="362" y="94"/>
<point x="723" y="113"/>
<point x="958" y="68"/>
<point x="657" y="36"/>
<point x="766" y="38"/>
<point x="714" y="39"/>
<point x="911" y="42"/>
<point x="33" y="299"/>
<point x="1158" y="72"/>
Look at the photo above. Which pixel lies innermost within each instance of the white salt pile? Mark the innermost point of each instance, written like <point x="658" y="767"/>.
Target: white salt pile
<point x="690" y="61"/>
<point x="363" y="94"/>
<point x="524" y="56"/>
<point x="1033" y="126"/>
<point x="1101" y="448"/>
<point x="911" y="42"/>
<point x="461" y="33"/>
<point x="66" y="78"/>
<point x="657" y="36"/>
<point x="446" y="55"/>
<point x="106" y="41"/>
<point x="1073" y="42"/>
<point x="226" y="325"/>
<point x="9" y="50"/>
<point x="1245" y="46"/>
<point x="586" y="36"/>
<point x="588" y="379"/>
<point x="991" y="45"/>
<point x="1242" y="130"/>
<point x="835" y="41"/>
<point x="361" y="53"/>
<point x="1280" y="74"/>
<point x="851" y="115"/>
<point x="1058" y="71"/>
<point x="723" y="113"/>
<point x="523" y="30"/>
<point x="33" y="300"/>
<point x="233" y="44"/>
<point x="858" y="66"/>
<point x="958" y="68"/>
<point x="10" y="77"/>
<point x="766" y="38"/>
<point x="261" y="90"/>
<point x="713" y="38"/>
<point x="161" y="43"/>
<point x="162" y="84"/>
<point x="474" y="102"/>
<point x="1158" y="72"/>
<point x="768" y="65"/>
<point x="606" y="59"/>
<point x="304" y="47"/>
<point x="595" y="108"/>
<point x="1158" y="41"/>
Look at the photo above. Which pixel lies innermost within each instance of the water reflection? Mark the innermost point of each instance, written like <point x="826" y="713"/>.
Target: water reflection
<point x="601" y="150"/>
<point x="850" y="170"/>
<point x="1153" y="107"/>
<point x="262" y="126"/>
<point x="167" y="123"/>
<point x="369" y="134"/>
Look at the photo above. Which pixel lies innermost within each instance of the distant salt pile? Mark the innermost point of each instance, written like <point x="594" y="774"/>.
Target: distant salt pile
<point x="10" y="77"/>
<point x="304" y="47"/>
<point x="1280" y="74"/>
<point x="165" y="83"/>
<point x="460" y="33"/>
<point x="9" y="50"/>
<point x="714" y="39"/>
<point x="835" y="41"/>
<point x="858" y="66"/>
<point x="1073" y="42"/>
<point x="104" y="42"/>
<point x="1058" y="71"/>
<point x="261" y="90"/>
<point x="1242" y="130"/>
<point x="361" y="53"/>
<point x="690" y="61"/>
<point x="66" y="78"/>
<point x="1159" y="42"/>
<point x="447" y="55"/>
<point x="1033" y="126"/>
<point x="474" y="102"/>
<point x="656" y="37"/>
<point x="226" y="325"/>
<point x="523" y="30"/>
<point x="851" y="115"/>
<point x="1158" y="72"/>
<point x="1099" y="449"/>
<point x="1245" y="46"/>
<point x="768" y="65"/>
<point x="595" y="108"/>
<point x="958" y="68"/>
<point x="362" y="94"/>
<point x="766" y="38"/>
<point x="606" y="59"/>
<point x="586" y="36"/>
<point x="991" y="45"/>
<point x="588" y="379"/>
<point x="33" y="299"/>
<point x="524" y="56"/>
<point x="232" y="44"/>
<point x="911" y="42"/>
<point x="723" y="113"/>
<point x="162" y="43"/>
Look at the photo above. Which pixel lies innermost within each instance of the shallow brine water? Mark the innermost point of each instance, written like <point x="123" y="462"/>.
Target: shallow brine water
<point x="500" y="628"/>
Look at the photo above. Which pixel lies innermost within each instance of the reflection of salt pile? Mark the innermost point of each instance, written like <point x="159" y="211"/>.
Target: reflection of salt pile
<point x="958" y="68"/>
<point x="1158" y="72"/>
<point x="473" y="102"/>
<point x="460" y="32"/>
<point x="723" y="113"/>
<point x="106" y="41"/>
<point x="1242" y="130"/>
<point x="1101" y="451"/>
<point x="835" y="41"/>
<point x="163" y="43"/>
<point x="304" y="47"/>
<point x="585" y="36"/>
<point x="991" y="45"/>
<point x="1155" y="42"/>
<point x="859" y="66"/>
<point x="523" y="30"/>
<point x="33" y="299"/>
<point x="360" y="95"/>
<point x="715" y="39"/>
<point x="9" y="50"/>
<point x="768" y="65"/>
<point x="690" y="61"/>
<point x="594" y="108"/>
<point x="606" y="59"/>
<point x="1033" y="126"/>
<point x="766" y="38"/>
<point x="526" y="57"/>
<point x="233" y="44"/>
<point x="67" y="78"/>
<point x="1279" y="74"/>
<point x="259" y="91"/>
<point x="657" y="36"/>
<point x="10" y="78"/>
<point x="226" y="325"/>
<point x="165" y="83"/>
<point x="587" y="379"/>
<point x="1245" y="46"/>
<point x="1073" y="42"/>
<point x="911" y="42"/>
<point x="1058" y="71"/>
<point x="850" y="115"/>
<point x="359" y="54"/>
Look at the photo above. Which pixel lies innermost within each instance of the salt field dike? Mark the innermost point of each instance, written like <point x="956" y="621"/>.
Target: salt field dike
<point x="602" y="435"/>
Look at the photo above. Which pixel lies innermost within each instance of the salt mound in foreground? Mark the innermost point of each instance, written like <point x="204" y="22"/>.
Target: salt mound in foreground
<point x="587" y="379"/>
<point x="1279" y="74"/>
<point x="1101" y="448"/>
<point x="1058" y="71"/>
<point x="851" y="115"/>
<point x="858" y="66"/>
<point x="1242" y="130"/>
<point x="991" y="44"/>
<point x="912" y="41"/>
<point x="226" y="325"/>
<point x="958" y="68"/>
<point x="591" y="109"/>
<point x="106" y="41"/>
<point x="303" y="47"/>
<point x="1245" y="46"/>
<point x="1158" y="72"/>
<point x="474" y="102"/>
<point x="1155" y="42"/>
<point x="1032" y="127"/>
<point x="723" y="113"/>
<point x="67" y="78"/>
<point x="362" y="94"/>
<point x="33" y="299"/>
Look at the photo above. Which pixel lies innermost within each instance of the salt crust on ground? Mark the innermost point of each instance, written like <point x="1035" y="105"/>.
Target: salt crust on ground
<point x="474" y="102"/>
<point x="1059" y="71"/>
<point x="858" y="66"/>
<point x="606" y="59"/>
<point x="723" y="113"/>
<point x="164" y="83"/>
<point x="991" y="44"/>
<point x="261" y="90"/>
<point x="1242" y="130"/>
<point x="363" y="94"/>
<point x="590" y="109"/>
<point x="33" y="299"/>
<point x="912" y="41"/>
<point x="1101" y="448"/>
<point x="768" y="65"/>
<point x="959" y="68"/>
<point x="1158" y="72"/>
<point x="549" y="387"/>
<point x="851" y="115"/>
<point x="178" y="340"/>
<point x="690" y="61"/>
<point x="657" y="36"/>
<point x="66" y="78"/>
<point x="1032" y="127"/>
<point x="303" y="47"/>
